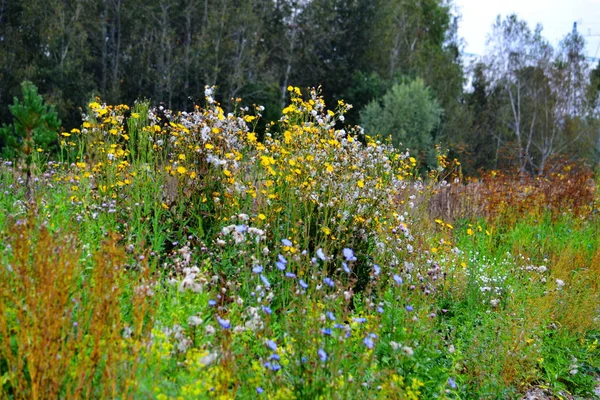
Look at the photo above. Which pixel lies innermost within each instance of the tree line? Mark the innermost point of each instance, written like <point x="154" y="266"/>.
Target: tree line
<point x="397" y="61"/>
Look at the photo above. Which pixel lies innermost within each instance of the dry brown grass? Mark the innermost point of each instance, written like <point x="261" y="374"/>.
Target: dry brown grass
<point x="62" y="320"/>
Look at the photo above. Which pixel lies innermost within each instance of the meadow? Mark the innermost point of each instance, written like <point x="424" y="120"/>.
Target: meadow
<point x="186" y="255"/>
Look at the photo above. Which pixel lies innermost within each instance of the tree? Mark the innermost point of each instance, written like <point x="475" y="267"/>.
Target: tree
<point x="409" y="113"/>
<point x="35" y="125"/>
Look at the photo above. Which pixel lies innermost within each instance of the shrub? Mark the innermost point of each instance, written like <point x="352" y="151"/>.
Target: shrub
<point x="409" y="113"/>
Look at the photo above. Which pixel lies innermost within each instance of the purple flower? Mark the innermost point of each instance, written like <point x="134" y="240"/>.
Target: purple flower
<point x="330" y="315"/>
<point x="258" y="269"/>
<point x="380" y="310"/>
<point x="272" y="366"/>
<point x="267" y="310"/>
<point x="349" y="254"/>
<point x="303" y="284"/>
<point x="452" y="383"/>
<point x="290" y="275"/>
<point x="280" y="266"/>
<point x="286" y="242"/>
<point x="275" y="357"/>
<point x="282" y="259"/>
<point x="369" y="342"/>
<point x="398" y="279"/>
<point x="212" y="303"/>
<point x="259" y="390"/>
<point x="409" y="308"/>
<point x="265" y="280"/>
<point x="321" y="255"/>
<point x="225" y="324"/>
<point x="339" y="326"/>
<point x="376" y="269"/>
<point x="271" y="344"/>
<point x="326" y="331"/>
<point x="322" y="355"/>
<point x="328" y="281"/>
<point x="359" y="320"/>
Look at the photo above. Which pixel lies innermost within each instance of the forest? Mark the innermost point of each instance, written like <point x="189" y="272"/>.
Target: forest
<point x="519" y="105"/>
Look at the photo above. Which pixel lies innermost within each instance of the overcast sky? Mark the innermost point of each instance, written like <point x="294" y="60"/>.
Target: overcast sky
<point x="556" y="16"/>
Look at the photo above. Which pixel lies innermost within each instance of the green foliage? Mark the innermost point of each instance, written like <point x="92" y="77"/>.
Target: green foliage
<point x="35" y="126"/>
<point x="409" y="113"/>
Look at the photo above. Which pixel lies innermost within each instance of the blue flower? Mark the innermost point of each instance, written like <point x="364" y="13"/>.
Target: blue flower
<point x="398" y="279"/>
<point x="330" y="315"/>
<point x="259" y="390"/>
<point x="346" y="268"/>
<point x="272" y="366"/>
<point x="290" y="275"/>
<point x="303" y="284"/>
<point x="409" y="308"/>
<point x="376" y="269"/>
<point x="452" y="383"/>
<point x="267" y="310"/>
<point x="275" y="357"/>
<point x="326" y="331"/>
<point x="328" y="281"/>
<point x="349" y="254"/>
<point x="241" y="228"/>
<point x="212" y="303"/>
<point x="265" y="281"/>
<point x="271" y="344"/>
<point x="369" y="342"/>
<point x="280" y="266"/>
<point x="258" y="269"/>
<point x="225" y="324"/>
<point x="321" y="255"/>
<point x="380" y="310"/>
<point x="322" y="355"/>
<point x="287" y="242"/>
<point x="282" y="259"/>
<point x="359" y="320"/>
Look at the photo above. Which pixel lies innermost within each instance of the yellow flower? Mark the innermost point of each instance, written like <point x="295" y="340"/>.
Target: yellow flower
<point x="470" y="232"/>
<point x="227" y="172"/>
<point x="182" y="157"/>
<point x="182" y="170"/>
<point x="249" y="118"/>
<point x="262" y="217"/>
<point x="326" y="230"/>
<point x="361" y="183"/>
<point x="66" y="134"/>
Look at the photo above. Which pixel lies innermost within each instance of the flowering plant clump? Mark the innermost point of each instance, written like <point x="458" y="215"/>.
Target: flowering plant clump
<point x="307" y="260"/>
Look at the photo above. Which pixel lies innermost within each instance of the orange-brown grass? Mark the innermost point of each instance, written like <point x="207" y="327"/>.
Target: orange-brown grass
<point x="509" y="196"/>
<point x="62" y="325"/>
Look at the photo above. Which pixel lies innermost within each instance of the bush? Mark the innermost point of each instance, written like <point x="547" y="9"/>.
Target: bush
<point x="409" y="113"/>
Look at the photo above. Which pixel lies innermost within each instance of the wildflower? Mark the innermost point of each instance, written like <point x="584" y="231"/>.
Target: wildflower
<point x="194" y="320"/>
<point x="282" y="259"/>
<point x="369" y="342"/>
<point x="225" y="324"/>
<point x="286" y="242"/>
<point x="359" y="320"/>
<point x="409" y="308"/>
<point x="280" y="266"/>
<point x="212" y="303"/>
<point x="267" y="310"/>
<point x="346" y="268"/>
<point x="265" y="281"/>
<point x="259" y="390"/>
<point x="322" y="355"/>
<point x="376" y="269"/>
<point x="272" y="366"/>
<point x="408" y="351"/>
<point x="349" y="254"/>
<point x="290" y="275"/>
<point x="329" y="282"/>
<point x="321" y="255"/>
<point x="451" y="383"/>
<point x="303" y="284"/>
<point x="330" y="315"/>
<point x="326" y="331"/>
<point x="398" y="279"/>
<point x="271" y="345"/>
<point x="258" y="269"/>
<point x="380" y="310"/>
